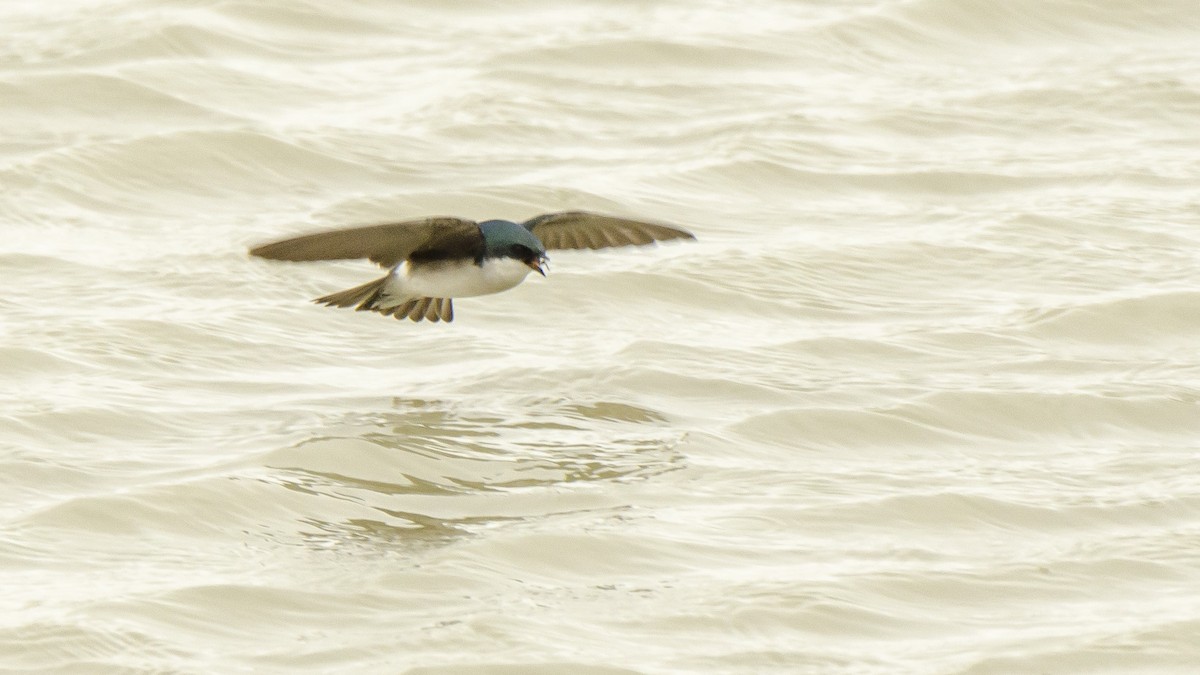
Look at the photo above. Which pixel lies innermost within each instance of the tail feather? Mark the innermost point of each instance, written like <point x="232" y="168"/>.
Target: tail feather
<point x="421" y="309"/>
<point x="363" y="296"/>
<point x="416" y="309"/>
<point x="368" y="296"/>
<point x="431" y="307"/>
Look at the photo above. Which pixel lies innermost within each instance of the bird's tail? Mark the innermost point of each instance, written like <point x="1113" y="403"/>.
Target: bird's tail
<point x="417" y="309"/>
<point x="369" y="297"/>
<point x="363" y="296"/>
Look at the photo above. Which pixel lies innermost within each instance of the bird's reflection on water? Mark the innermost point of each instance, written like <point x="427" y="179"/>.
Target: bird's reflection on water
<point x="434" y="471"/>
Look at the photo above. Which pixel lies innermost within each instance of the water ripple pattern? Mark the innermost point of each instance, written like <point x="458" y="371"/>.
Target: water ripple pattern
<point x="924" y="396"/>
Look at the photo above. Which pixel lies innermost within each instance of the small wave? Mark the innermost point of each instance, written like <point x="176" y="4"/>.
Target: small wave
<point x="200" y="164"/>
<point x="967" y="27"/>
<point x="1039" y="415"/>
<point x="839" y="429"/>
<point x="1162" y="319"/>
<point x="638" y="55"/>
<point x="62" y="101"/>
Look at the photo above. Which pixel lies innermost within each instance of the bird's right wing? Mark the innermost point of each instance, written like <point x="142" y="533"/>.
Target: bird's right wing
<point x="386" y="244"/>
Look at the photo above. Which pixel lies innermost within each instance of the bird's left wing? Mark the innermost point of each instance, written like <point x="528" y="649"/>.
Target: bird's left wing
<point x="386" y="244"/>
<point x="580" y="229"/>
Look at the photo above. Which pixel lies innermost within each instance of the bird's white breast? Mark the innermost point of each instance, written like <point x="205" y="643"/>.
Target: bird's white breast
<point x="456" y="279"/>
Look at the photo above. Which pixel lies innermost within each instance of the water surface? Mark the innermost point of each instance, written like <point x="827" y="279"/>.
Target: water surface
<point x="924" y="397"/>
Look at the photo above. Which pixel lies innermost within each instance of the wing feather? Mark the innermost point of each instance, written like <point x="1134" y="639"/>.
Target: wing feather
<point x="386" y="244"/>
<point x="581" y="229"/>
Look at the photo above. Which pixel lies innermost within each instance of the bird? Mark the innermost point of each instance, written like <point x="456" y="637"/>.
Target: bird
<point x="431" y="261"/>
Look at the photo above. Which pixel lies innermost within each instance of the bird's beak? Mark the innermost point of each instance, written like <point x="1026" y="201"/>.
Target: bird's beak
<point x="536" y="265"/>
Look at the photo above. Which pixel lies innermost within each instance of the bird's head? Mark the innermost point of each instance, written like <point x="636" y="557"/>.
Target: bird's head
<point x="506" y="239"/>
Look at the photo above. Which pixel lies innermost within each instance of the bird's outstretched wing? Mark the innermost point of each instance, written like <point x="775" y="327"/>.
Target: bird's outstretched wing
<point x="580" y="229"/>
<point x="386" y="244"/>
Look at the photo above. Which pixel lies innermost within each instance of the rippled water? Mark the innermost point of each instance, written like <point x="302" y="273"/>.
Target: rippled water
<point x="924" y="396"/>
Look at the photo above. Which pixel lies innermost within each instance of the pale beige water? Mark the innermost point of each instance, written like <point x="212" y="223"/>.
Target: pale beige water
<point x="924" y="398"/>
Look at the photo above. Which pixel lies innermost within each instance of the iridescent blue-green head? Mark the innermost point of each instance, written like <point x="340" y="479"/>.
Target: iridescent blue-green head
<point x="506" y="239"/>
